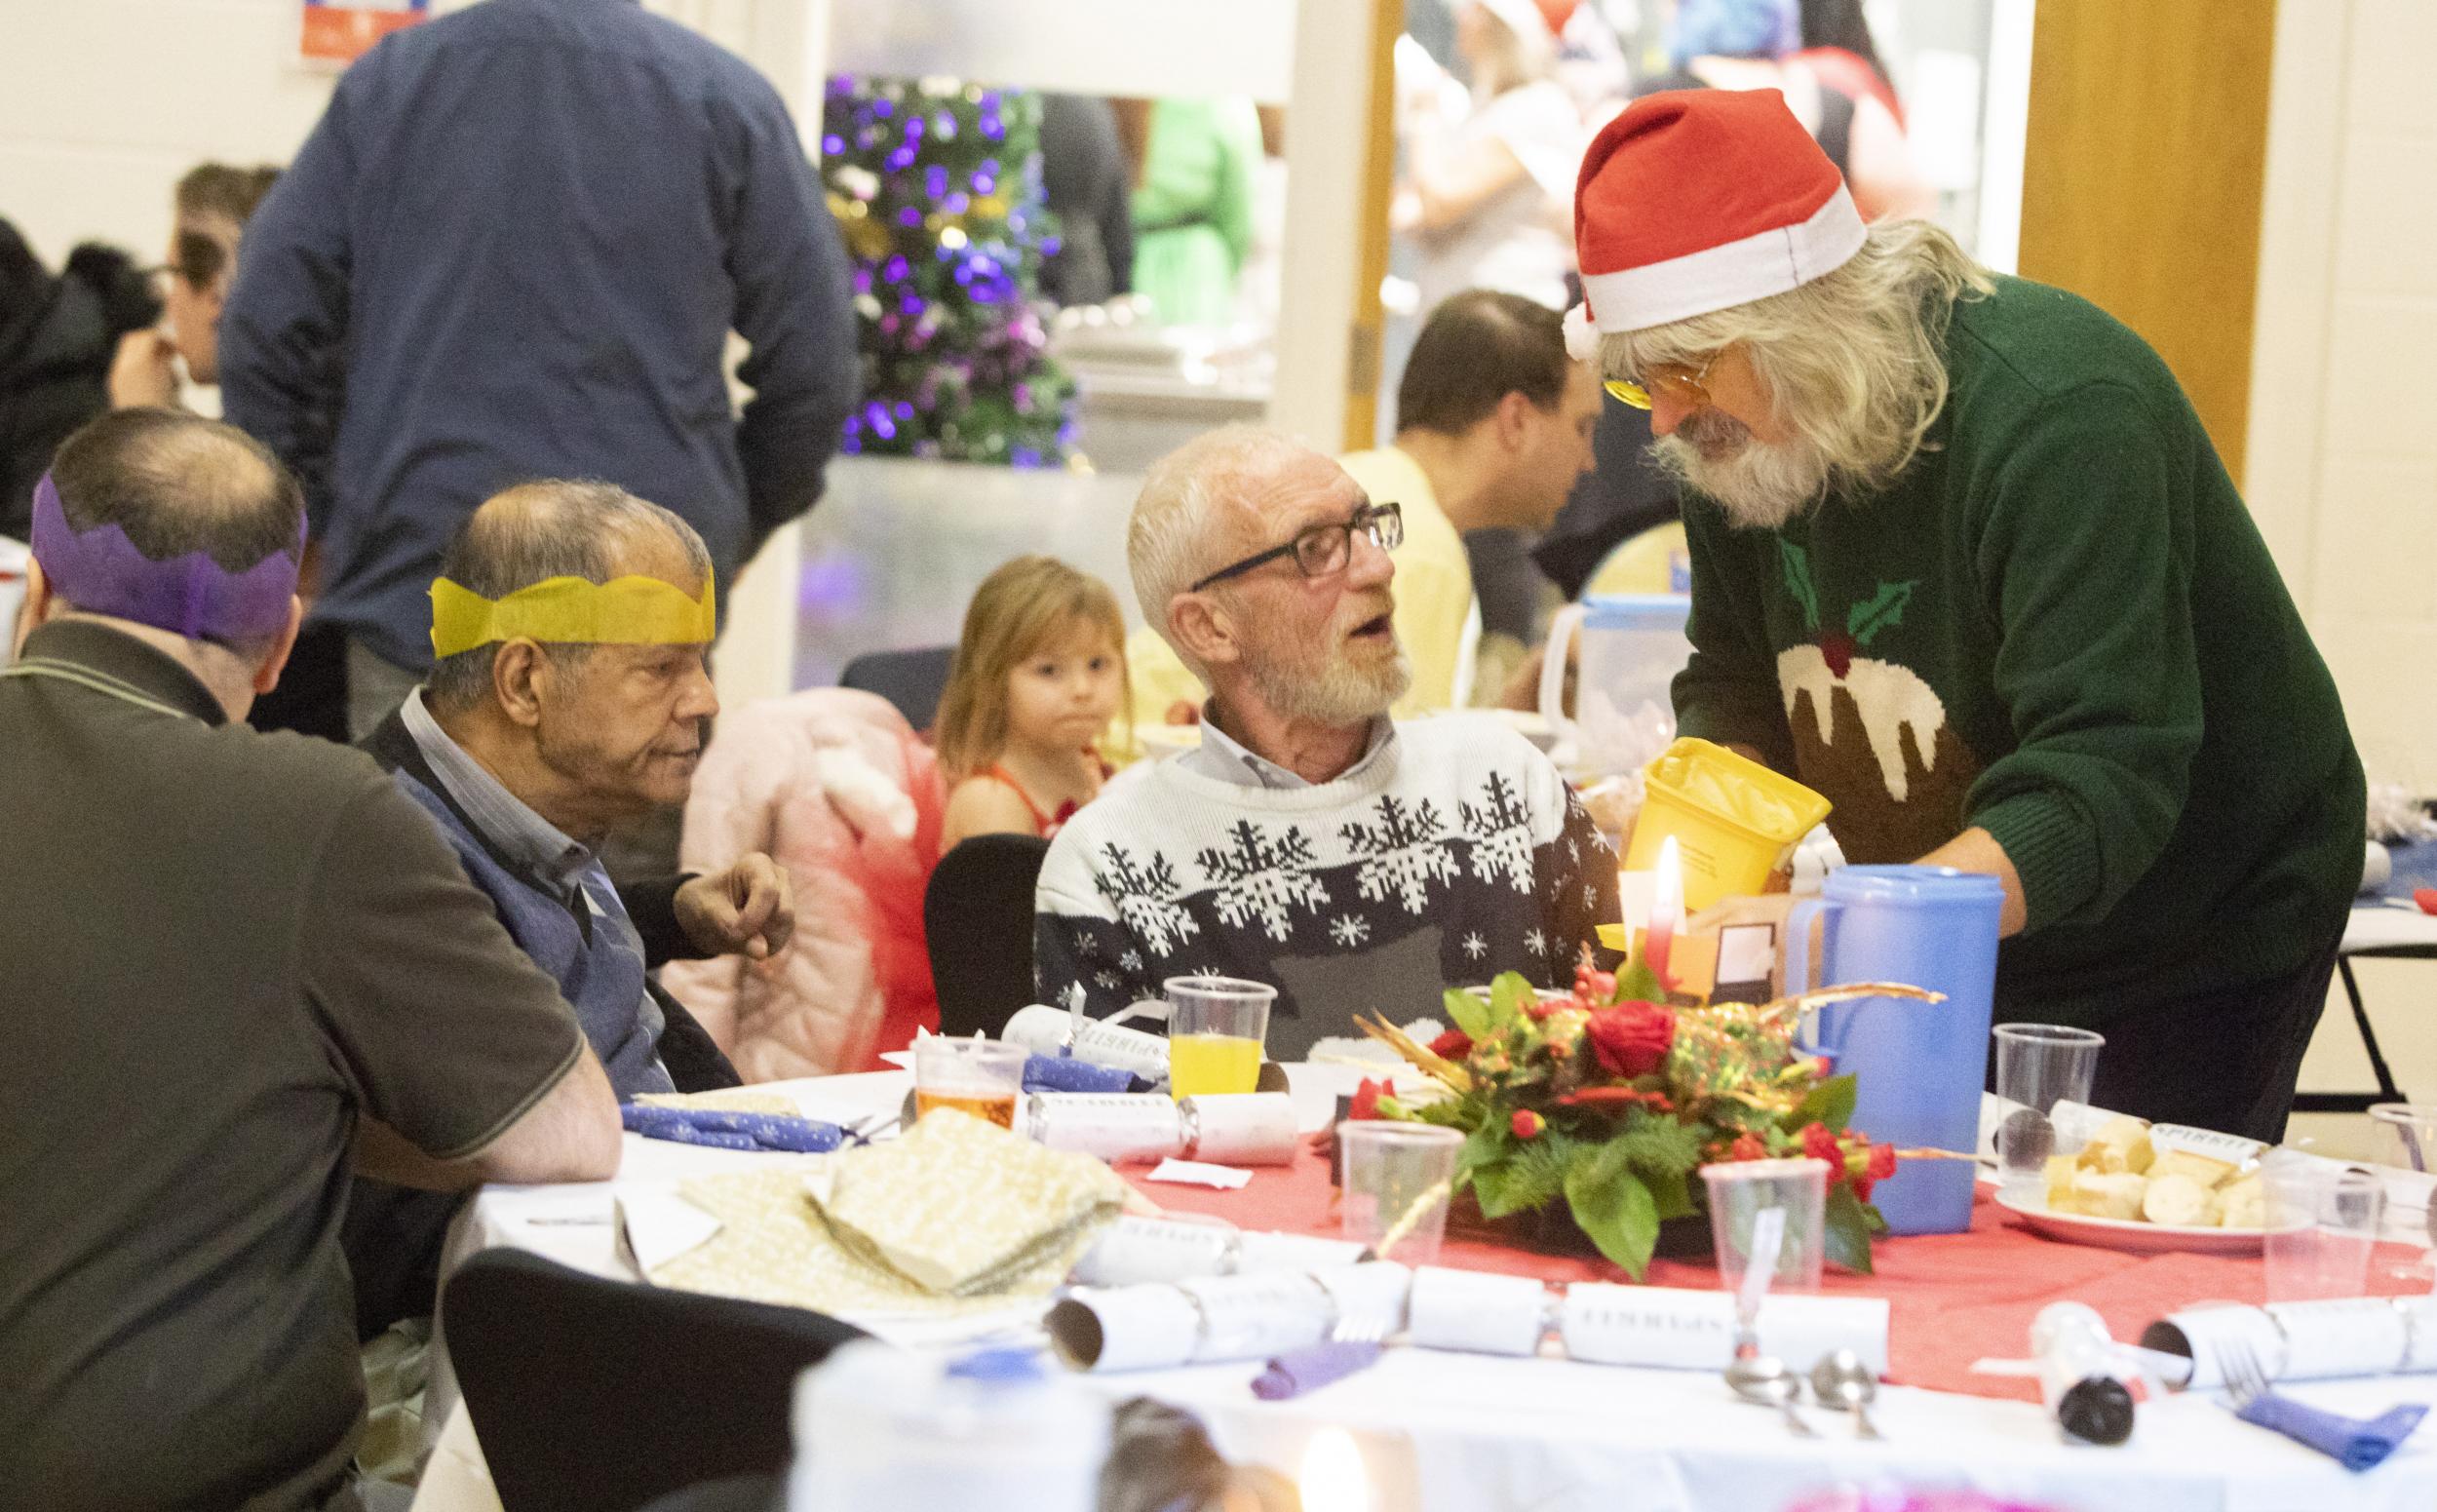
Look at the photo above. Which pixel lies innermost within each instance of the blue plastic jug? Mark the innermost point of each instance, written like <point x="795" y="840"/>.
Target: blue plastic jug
<point x="1920" y="1066"/>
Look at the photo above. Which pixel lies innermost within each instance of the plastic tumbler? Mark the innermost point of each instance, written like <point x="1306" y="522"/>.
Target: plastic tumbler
<point x="1399" y="1178"/>
<point x="1741" y="1190"/>
<point x="1921" y="1066"/>
<point x="2039" y="1065"/>
<point x="982" y="1077"/>
<point x="1217" y="1026"/>
<point x="2322" y="1225"/>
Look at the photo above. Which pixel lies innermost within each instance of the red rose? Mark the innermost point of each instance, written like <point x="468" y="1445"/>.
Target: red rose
<point x="1453" y="1046"/>
<point x="1526" y="1124"/>
<point x="1632" y="1039"/>
<point x="1819" y="1142"/>
<point x="1367" y="1096"/>
<point x="1881" y="1165"/>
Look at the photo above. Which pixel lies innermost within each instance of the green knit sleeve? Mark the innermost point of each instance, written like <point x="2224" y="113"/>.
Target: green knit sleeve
<point x="2083" y="555"/>
<point x="1729" y="692"/>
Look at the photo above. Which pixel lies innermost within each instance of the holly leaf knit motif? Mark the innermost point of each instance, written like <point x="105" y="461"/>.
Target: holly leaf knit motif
<point x="1795" y="563"/>
<point x="1885" y="608"/>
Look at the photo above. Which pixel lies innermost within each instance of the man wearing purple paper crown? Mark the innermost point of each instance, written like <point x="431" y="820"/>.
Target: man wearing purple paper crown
<point x="1964" y="561"/>
<point x="233" y="960"/>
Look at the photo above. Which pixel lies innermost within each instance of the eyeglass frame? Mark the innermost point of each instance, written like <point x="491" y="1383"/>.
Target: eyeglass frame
<point x="1636" y="393"/>
<point x="1378" y="521"/>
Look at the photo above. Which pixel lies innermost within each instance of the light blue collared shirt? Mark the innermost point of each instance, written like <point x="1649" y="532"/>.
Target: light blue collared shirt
<point x="1222" y="757"/>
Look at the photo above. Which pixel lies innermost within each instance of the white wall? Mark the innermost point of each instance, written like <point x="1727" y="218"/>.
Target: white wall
<point x="107" y="102"/>
<point x="2342" y="453"/>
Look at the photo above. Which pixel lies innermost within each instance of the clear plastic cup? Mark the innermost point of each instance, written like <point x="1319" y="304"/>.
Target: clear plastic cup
<point x="2039" y="1065"/>
<point x="1741" y="1190"/>
<point x="2322" y="1227"/>
<point x="1217" y="1028"/>
<point x="984" y="1077"/>
<point x="1399" y="1178"/>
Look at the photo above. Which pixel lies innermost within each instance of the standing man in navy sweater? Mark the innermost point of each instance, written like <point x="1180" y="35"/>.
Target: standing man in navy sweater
<point x="515" y="247"/>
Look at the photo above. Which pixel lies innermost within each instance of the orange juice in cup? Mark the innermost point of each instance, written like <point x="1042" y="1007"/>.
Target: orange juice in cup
<point x="1216" y="1030"/>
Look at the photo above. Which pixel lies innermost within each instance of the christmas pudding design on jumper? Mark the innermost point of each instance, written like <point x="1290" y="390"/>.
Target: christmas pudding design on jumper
<point x="1896" y="798"/>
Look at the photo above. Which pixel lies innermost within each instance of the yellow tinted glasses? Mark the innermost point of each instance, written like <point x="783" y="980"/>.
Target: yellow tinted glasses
<point x="1677" y="383"/>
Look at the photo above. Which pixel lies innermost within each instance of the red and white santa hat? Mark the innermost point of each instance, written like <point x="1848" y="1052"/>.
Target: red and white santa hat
<point x="1700" y="199"/>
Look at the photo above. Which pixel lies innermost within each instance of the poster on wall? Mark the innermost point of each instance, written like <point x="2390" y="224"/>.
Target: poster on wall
<point x="337" y="32"/>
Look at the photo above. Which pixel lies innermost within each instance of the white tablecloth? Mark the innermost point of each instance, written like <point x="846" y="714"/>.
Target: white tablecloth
<point x="1443" y="1432"/>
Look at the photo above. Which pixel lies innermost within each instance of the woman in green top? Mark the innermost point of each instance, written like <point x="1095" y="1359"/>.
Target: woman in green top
<point x="1194" y="208"/>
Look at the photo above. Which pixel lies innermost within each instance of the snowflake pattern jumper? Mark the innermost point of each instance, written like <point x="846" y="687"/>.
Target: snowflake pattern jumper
<point x="1457" y="854"/>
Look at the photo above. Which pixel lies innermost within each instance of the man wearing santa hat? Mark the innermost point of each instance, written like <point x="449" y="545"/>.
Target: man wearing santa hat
<point x="1964" y="561"/>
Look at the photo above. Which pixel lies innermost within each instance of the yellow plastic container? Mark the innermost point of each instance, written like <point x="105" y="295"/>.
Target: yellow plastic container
<point x="1733" y="820"/>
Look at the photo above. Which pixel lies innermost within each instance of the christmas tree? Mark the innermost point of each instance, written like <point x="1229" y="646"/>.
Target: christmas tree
<point x="937" y="186"/>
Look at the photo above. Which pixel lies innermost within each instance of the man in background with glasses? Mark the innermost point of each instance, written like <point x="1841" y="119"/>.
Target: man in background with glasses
<point x="1310" y="841"/>
<point x="1965" y="561"/>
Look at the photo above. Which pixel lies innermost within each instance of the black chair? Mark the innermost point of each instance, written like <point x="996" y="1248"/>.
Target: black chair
<point x="591" y="1395"/>
<point x="976" y="917"/>
<point x="912" y="680"/>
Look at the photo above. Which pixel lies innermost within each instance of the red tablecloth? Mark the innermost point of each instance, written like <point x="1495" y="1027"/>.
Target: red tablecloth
<point x="1953" y="1298"/>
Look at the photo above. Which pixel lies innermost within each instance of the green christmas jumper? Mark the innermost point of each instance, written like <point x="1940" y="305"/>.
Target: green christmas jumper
<point x="2058" y="624"/>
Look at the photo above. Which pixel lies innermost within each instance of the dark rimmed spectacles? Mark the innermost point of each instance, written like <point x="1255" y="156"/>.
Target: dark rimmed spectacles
<point x="1677" y="383"/>
<point x="1324" y="549"/>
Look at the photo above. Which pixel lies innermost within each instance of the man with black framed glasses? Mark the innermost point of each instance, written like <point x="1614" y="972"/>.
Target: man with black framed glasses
<point x="1310" y="841"/>
<point x="1494" y="424"/>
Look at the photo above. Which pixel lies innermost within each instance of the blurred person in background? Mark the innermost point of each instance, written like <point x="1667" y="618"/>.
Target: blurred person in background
<point x="1194" y="165"/>
<point x="1838" y="46"/>
<point x="1087" y="180"/>
<point x="58" y="332"/>
<point x="210" y="209"/>
<point x="212" y="205"/>
<point x="526" y="231"/>
<point x="1757" y="45"/>
<point x="1486" y="193"/>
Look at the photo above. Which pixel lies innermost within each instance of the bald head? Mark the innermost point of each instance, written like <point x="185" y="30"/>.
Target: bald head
<point x="177" y="482"/>
<point x="1203" y="505"/>
<point x="536" y="531"/>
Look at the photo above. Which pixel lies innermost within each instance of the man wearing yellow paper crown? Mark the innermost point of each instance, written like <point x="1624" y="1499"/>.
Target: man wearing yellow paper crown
<point x="569" y="694"/>
<point x="1964" y="561"/>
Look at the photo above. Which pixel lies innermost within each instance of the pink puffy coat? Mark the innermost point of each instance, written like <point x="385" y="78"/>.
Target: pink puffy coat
<point x="837" y="788"/>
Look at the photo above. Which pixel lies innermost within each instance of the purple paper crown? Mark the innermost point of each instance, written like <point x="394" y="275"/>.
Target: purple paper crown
<point x="102" y="572"/>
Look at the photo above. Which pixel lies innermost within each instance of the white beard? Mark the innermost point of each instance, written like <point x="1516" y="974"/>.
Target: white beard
<point x="1760" y="486"/>
<point x="1336" y="692"/>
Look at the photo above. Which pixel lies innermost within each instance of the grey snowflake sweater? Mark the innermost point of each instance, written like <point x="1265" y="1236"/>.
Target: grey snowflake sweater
<point x="1457" y="854"/>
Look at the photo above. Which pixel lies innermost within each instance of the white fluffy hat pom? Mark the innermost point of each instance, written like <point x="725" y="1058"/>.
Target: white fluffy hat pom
<point x="1582" y="337"/>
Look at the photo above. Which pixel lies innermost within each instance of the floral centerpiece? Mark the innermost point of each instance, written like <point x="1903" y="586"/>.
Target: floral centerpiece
<point x="1610" y="1100"/>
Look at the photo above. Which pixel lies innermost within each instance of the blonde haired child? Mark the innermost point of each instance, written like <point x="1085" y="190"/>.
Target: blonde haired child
<point x="1038" y="672"/>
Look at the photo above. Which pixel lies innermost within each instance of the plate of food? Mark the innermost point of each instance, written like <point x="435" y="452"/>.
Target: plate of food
<point x="2121" y="1193"/>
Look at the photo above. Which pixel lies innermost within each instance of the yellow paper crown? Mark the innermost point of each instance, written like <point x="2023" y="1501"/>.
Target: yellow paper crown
<point x="629" y="612"/>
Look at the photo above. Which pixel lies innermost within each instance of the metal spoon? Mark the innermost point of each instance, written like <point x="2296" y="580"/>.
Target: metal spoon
<point x="1845" y="1383"/>
<point x="1766" y="1379"/>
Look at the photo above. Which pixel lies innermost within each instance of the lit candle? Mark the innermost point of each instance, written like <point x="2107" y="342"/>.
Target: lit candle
<point x="1666" y="912"/>
<point x="1333" y="1478"/>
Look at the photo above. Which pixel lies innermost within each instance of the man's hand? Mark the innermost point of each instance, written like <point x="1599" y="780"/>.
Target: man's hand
<point x="145" y="371"/>
<point x="747" y="910"/>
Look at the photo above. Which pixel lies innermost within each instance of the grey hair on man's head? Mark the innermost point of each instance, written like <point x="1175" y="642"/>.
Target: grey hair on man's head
<point x="531" y="533"/>
<point x="1170" y="541"/>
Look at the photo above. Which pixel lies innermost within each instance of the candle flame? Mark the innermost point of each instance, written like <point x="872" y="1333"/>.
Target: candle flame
<point x="1334" y="1479"/>
<point x="1667" y="906"/>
